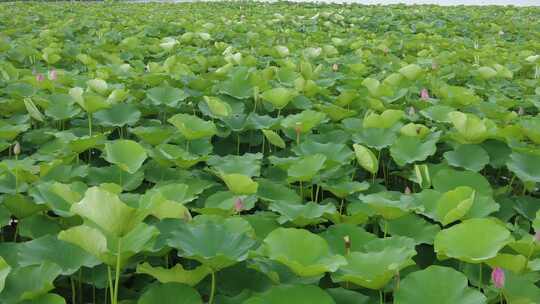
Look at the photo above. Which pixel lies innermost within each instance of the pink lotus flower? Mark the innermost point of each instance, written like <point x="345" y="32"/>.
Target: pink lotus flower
<point x="424" y="94"/>
<point x="238" y="205"/>
<point x="497" y="276"/>
<point x="40" y="77"/>
<point x="53" y="75"/>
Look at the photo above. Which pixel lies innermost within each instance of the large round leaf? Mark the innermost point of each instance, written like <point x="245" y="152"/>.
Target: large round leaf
<point x="471" y="157"/>
<point x="437" y="284"/>
<point x="472" y="241"/>
<point x="305" y="253"/>
<point x="170" y="293"/>
<point x="126" y="154"/>
<point x="167" y="96"/>
<point x="297" y="294"/>
<point x="525" y="165"/>
<point x="192" y="127"/>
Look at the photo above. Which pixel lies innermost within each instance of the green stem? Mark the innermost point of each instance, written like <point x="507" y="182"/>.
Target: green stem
<point x="301" y="191"/>
<point x="89" y="124"/>
<point x="531" y="250"/>
<point x="81" y="297"/>
<point x="381" y="300"/>
<point x="117" y="278"/>
<point x="263" y="139"/>
<point x="73" y="293"/>
<point x="317" y="193"/>
<point x="110" y="284"/>
<point x="385" y="228"/>
<point x="238" y="144"/>
<point x="480" y="283"/>
<point x="213" y="288"/>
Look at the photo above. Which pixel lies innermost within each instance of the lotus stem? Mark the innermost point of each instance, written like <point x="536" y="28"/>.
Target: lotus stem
<point x="111" y="289"/>
<point x="117" y="278"/>
<point x="212" y="288"/>
<point x="480" y="283"/>
<point x="238" y="144"/>
<point x="301" y="191"/>
<point x="89" y="124"/>
<point x="317" y="193"/>
<point x="263" y="140"/>
<point x="381" y="296"/>
<point x="73" y="292"/>
<point x="531" y="250"/>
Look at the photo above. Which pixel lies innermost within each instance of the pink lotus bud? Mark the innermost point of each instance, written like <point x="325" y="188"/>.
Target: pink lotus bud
<point x="497" y="276"/>
<point x="53" y="75"/>
<point x="407" y="190"/>
<point x="238" y="205"/>
<point x="40" y="77"/>
<point x="424" y="94"/>
<point x="537" y="236"/>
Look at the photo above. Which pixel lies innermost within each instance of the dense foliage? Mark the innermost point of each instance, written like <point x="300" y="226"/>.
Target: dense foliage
<point x="269" y="153"/>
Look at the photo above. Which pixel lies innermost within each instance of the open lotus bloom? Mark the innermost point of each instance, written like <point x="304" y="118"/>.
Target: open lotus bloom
<point x="497" y="276"/>
<point x="424" y="94"/>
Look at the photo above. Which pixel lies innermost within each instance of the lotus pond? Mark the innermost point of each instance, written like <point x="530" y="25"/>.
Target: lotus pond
<point x="269" y="154"/>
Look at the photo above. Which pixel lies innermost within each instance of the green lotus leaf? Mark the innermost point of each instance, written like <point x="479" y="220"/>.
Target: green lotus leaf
<point x="83" y="143"/>
<point x="33" y="110"/>
<point x="335" y="235"/>
<point x="304" y="121"/>
<point x="10" y="132"/>
<point x="166" y="153"/>
<point x="217" y="107"/>
<point x="459" y="96"/>
<point x="343" y="188"/>
<point x="49" y="298"/>
<point x="305" y="253"/>
<point x="486" y="72"/>
<point x="5" y="269"/>
<point x="30" y="282"/>
<point x="153" y="135"/>
<point x="21" y="206"/>
<point x="334" y="112"/>
<point x="98" y="85"/>
<point x="239" y="183"/>
<point x="126" y="154"/>
<point x="118" y="115"/>
<point x="454" y="204"/>
<point x="107" y="211"/>
<point x="471" y="157"/>
<point x="525" y="166"/>
<point x="470" y="129"/>
<point x="411" y="71"/>
<point x="61" y="107"/>
<point x="306" y="168"/>
<point x="90" y="102"/>
<point x="298" y="294"/>
<point x="176" y="274"/>
<point x="412" y="129"/>
<point x="519" y="288"/>
<point x="437" y="284"/>
<point x="377" y="263"/>
<point x="274" y="138"/>
<point x="239" y="84"/>
<point x="170" y="293"/>
<point x="377" y="138"/>
<point x="302" y="215"/>
<point x="161" y="207"/>
<point x="225" y="200"/>
<point x="385" y="120"/>
<point x="112" y="174"/>
<point x="89" y="239"/>
<point x="389" y="204"/>
<point x="248" y="164"/>
<point x="166" y="95"/>
<point x="530" y="127"/>
<point x="515" y="263"/>
<point x="438" y="113"/>
<point x="48" y="248"/>
<point x="366" y="158"/>
<point x="279" y="97"/>
<point x="346" y="296"/>
<point x="192" y="127"/>
<point x="59" y="197"/>
<point x="213" y="245"/>
<point x="274" y="192"/>
<point x="472" y="241"/>
<point x="449" y="179"/>
<point x="407" y="149"/>
<point x="336" y="154"/>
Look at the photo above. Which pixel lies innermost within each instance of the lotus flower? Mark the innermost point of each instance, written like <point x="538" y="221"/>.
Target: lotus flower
<point x="53" y="75"/>
<point x="238" y="205"/>
<point x="497" y="276"/>
<point x="17" y="148"/>
<point x="424" y="94"/>
<point x="335" y="67"/>
<point x="40" y="77"/>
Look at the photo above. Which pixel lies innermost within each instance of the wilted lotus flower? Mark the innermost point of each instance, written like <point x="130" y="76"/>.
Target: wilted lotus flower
<point x="40" y="77"/>
<point x="424" y="94"/>
<point x="497" y="276"/>
<point x="17" y="148"/>
<point x="407" y="190"/>
<point x="238" y="205"/>
<point x="335" y="67"/>
<point x="53" y="75"/>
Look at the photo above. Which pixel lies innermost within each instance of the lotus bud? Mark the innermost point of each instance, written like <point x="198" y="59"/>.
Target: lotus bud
<point x="434" y="66"/>
<point x="424" y="94"/>
<point x="335" y="67"/>
<point x="521" y="111"/>
<point x="238" y="205"/>
<point x="40" y="77"/>
<point x="407" y="190"/>
<point x="347" y="240"/>
<point x="298" y="128"/>
<point x="537" y="236"/>
<point x="17" y="148"/>
<point x="501" y="33"/>
<point x="411" y="111"/>
<point x="497" y="276"/>
<point x="53" y="75"/>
